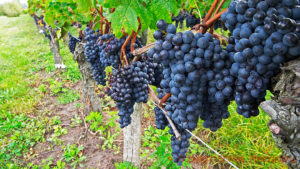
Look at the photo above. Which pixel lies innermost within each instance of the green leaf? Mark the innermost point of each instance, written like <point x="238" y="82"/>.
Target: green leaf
<point x="111" y="3"/>
<point x="124" y="17"/>
<point x="94" y="3"/>
<point x="171" y="5"/>
<point x="49" y="18"/>
<point x="163" y="12"/>
<point x="85" y="5"/>
<point x="143" y="13"/>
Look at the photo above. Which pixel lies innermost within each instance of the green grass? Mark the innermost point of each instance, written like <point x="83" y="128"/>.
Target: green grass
<point x="11" y="9"/>
<point x="73" y="154"/>
<point x="248" y="143"/>
<point x="24" y="52"/>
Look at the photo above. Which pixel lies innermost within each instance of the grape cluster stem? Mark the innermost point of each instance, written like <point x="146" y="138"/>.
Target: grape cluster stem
<point x="208" y="21"/>
<point x="135" y="35"/>
<point x="220" y="6"/>
<point x="154" y="97"/>
<point x="123" y="54"/>
<point x="211" y="10"/>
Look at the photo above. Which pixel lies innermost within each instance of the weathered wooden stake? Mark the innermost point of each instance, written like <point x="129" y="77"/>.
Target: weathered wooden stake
<point x="132" y="136"/>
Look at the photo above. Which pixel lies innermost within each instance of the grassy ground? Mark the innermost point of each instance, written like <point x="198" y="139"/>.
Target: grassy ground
<point x="26" y="63"/>
<point x="40" y="113"/>
<point x="11" y="9"/>
<point x="18" y="44"/>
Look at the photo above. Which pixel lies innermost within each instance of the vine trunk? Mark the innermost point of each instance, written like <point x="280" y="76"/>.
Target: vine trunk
<point x="54" y="47"/>
<point x="284" y="110"/>
<point x="91" y="100"/>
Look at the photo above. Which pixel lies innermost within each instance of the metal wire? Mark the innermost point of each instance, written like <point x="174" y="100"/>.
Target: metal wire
<point x="203" y="142"/>
<point x="212" y="149"/>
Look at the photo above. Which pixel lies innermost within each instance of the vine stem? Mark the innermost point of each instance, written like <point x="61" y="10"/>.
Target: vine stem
<point x="101" y="13"/>
<point x="79" y="30"/>
<point x="134" y="36"/>
<point x="201" y="30"/>
<point x="107" y="27"/>
<point x="107" y="24"/>
<point x="214" y="18"/>
<point x="164" y="99"/>
<point x="156" y="99"/>
<point x="91" y="24"/>
<point x="211" y="29"/>
<point x="198" y="10"/>
<point x="220" y="6"/>
<point x="81" y="34"/>
<point x="138" y="52"/>
<point x="100" y="21"/>
<point x="211" y="10"/>
<point x="123" y="54"/>
<point x="208" y="21"/>
<point x="220" y="37"/>
<point x="133" y="41"/>
<point x="101" y="24"/>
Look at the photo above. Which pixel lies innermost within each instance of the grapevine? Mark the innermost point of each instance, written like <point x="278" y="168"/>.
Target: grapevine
<point x="196" y="75"/>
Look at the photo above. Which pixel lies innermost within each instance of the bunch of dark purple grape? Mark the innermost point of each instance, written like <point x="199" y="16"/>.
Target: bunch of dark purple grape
<point x="72" y="43"/>
<point x="266" y="35"/>
<point x="130" y="85"/>
<point x="191" y="19"/>
<point x="91" y="53"/>
<point x="121" y="92"/>
<point x="113" y="49"/>
<point x="179" y="19"/>
<point x="105" y="90"/>
<point x="196" y="72"/>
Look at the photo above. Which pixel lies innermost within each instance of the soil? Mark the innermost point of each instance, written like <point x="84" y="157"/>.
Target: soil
<point x="79" y="135"/>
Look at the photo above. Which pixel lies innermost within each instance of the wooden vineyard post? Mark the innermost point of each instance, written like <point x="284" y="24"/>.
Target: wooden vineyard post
<point x="284" y="110"/>
<point x="132" y="136"/>
<point x="92" y="102"/>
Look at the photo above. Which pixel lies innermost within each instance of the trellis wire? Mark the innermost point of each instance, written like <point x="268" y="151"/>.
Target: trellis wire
<point x="204" y="143"/>
<point x="212" y="149"/>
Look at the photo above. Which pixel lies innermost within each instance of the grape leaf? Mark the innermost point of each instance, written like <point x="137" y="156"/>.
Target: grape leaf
<point x="85" y="4"/>
<point x="159" y="13"/>
<point x="49" y="18"/>
<point x="124" y="17"/>
<point x="110" y="3"/>
<point x="172" y="6"/>
<point x="143" y="13"/>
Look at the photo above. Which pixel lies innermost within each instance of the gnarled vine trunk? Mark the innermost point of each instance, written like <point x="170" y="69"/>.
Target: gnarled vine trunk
<point x="284" y="109"/>
<point x="54" y="47"/>
<point x="92" y="102"/>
